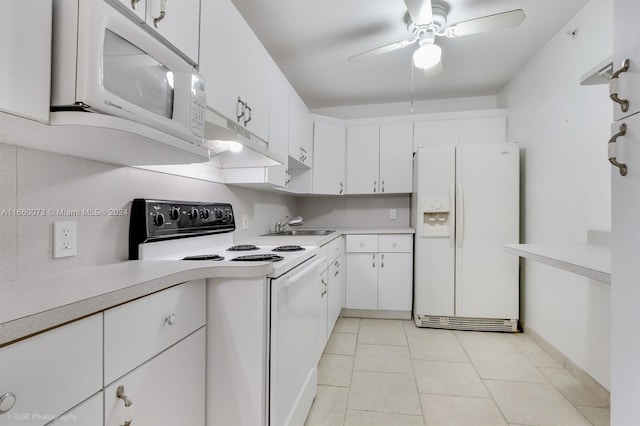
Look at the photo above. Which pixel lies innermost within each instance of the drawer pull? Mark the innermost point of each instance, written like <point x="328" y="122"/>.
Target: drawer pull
<point x="7" y="401"/>
<point x="171" y="319"/>
<point x="127" y="404"/>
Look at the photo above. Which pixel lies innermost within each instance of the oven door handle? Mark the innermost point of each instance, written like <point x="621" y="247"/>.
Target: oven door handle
<point x="308" y="270"/>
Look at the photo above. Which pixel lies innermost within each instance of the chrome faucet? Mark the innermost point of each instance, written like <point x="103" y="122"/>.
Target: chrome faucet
<point x="290" y="221"/>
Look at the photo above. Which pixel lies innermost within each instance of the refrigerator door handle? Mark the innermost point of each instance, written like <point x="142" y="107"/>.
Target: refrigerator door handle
<point x="460" y="217"/>
<point x="452" y="221"/>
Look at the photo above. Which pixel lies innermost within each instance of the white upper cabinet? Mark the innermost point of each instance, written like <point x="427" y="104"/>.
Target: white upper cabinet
<point x="396" y="158"/>
<point x="363" y="157"/>
<point x="178" y="22"/>
<point x="278" y="127"/>
<point x="234" y="64"/>
<point x="300" y="134"/>
<point x="25" y="49"/>
<point x="379" y="158"/>
<point x="328" y="158"/>
<point x="482" y="130"/>
<point x="435" y="133"/>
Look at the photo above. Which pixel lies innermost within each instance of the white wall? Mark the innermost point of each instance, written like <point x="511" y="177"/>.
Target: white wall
<point x="41" y="180"/>
<point x="564" y="128"/>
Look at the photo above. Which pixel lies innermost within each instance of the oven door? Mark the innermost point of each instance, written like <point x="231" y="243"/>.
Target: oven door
<point x="295" y="312"/>
<point x="124" y="71"/>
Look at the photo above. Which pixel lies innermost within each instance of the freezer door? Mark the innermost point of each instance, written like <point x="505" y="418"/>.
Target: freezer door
<point x="487" y="218"/>
<point x="433" y="206"/>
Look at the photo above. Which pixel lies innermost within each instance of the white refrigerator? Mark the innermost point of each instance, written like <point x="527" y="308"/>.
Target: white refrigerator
<point x="465" y="208"/>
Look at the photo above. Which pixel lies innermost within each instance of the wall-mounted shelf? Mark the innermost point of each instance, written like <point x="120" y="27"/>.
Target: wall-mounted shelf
<point x="589" y="260"/>
<point x="599" y="74"/>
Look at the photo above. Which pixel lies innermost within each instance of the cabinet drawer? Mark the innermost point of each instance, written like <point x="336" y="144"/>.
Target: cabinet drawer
<point x="362" y="243"/>
<point x="51" y="372"/>
<point x="334" y="249"/>
<point x="398" y="243"/>
<point x="136" y="331"/>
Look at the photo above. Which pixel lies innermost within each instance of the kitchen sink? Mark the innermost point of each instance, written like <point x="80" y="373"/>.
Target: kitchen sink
<point x="301" y="232"/>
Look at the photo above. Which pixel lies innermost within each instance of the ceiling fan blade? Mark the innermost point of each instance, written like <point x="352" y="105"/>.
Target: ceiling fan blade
<point x="381" y="50"/>
<point x="420" y="11"/>
<point x="509" y="19"/>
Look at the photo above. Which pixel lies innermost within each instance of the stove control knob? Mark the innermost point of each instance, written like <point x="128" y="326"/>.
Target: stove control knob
<point x="175" y="213"/>
<point x="205" y="213"/>
<point x="158" y="219"/>
<point x="219" y="213"/>
<point x="193" y="213"/>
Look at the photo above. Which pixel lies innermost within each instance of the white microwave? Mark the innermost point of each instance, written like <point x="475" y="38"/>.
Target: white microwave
<point x="105" y="63"/>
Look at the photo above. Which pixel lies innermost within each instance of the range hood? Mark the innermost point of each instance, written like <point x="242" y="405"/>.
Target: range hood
<point x="220" y="131"/>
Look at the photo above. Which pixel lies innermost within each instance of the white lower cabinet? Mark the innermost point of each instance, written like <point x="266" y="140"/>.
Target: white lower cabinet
<point x="46" y="375"/>
<point x="323" y="291"/>
<point x="335" y="282"/>
<point x="379" y="272"/>
<point x="168" y="390"/>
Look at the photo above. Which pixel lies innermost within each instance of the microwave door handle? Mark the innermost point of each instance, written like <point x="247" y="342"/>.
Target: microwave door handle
<point x="163" y="13"/>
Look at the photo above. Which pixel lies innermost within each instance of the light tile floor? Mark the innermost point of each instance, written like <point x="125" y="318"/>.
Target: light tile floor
<point x="391" y="373"/>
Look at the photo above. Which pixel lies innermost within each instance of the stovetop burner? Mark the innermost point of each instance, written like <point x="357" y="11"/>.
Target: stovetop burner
<point x="289" y="248"/>
<point x="243" y="247"/>
<point x="204" y="257"/>
<point x="259" y="258"/>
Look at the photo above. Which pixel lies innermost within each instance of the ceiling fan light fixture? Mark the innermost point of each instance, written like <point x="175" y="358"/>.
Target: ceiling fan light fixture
<point x="427" y="56"/>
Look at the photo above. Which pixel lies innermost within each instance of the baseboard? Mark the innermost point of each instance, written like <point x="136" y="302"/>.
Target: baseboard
<point x="578" y="373"/>
<point x="373" y="313"/>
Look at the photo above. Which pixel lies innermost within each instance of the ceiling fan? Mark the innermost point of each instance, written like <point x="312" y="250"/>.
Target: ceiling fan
<point x="428" y="20"/>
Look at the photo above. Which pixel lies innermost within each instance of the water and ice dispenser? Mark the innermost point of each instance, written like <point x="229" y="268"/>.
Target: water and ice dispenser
<point x="435" y="218"/>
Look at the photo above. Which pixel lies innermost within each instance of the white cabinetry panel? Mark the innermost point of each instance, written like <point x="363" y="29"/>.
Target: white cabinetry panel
<point x="435" y="133"/>
<point x="328" y="158"/>
<point x="396" y="158"/>
<point x="179" y="25"/>
<point x="25" y="49"/>
<point x="52" y="372"/>
<point x="363" y="158"/>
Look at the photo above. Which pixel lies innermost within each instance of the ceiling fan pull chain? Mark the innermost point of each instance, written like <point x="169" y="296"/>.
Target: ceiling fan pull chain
<point x="412" y="88"/>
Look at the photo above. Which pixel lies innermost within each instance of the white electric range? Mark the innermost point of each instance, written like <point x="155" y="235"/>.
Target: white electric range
<point x="283" y="382"/>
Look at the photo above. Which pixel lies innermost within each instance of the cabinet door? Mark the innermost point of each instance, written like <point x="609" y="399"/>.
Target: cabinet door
<point x="323" y="293"/>
<point x="166" y="391"/>
<point x="278" y="126"/>
<point x="626" y="45"/>
<point x="396" y="158"/>
<point x="89" y="412"/>
<point x="179" y="25"/>
<point x="25" y="49"/>
<point x="435" y="133"/>
<point x="395" y="283"/>
<point x="363" y="158"/>
<point x="335" y="292"/>
<point x="52" y="372"/>
<point x="136" y="8"/>
<point x="362" y="281"/>
<point x="328" y="158"/>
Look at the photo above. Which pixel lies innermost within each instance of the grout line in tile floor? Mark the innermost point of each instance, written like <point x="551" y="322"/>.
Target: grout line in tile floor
<point x="512" y="391"/>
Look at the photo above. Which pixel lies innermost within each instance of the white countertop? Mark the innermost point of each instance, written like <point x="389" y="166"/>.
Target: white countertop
<point x="39" y="303"/>
<point x="36" y="304"/>
<point x="590" y="260"/>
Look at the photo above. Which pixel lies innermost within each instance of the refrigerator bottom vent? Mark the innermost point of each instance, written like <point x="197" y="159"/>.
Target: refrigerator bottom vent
<point x="463" y="323"/>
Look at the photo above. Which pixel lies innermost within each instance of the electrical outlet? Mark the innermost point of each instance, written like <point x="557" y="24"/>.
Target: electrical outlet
<point x="65" y="242"/>
<point x="392" y="214"/>
<point x="245" y="221"/>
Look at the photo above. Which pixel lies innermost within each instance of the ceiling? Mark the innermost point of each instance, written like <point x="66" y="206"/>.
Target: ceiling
<point x="310" y="40"/>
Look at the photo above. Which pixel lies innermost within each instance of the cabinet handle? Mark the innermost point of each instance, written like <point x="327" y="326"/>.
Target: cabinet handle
<point x="341" y="187"/>
<point x="335" y="274"/>
<point x="134" y="4"/>
<point x="323" y="293"/>
<point x="374" y="185"/>
<point x="382" y="186"/>
<point x="171" y="319"/>
<point x="613" y="150"/>
<point x="240" y="109"/>
<point x="382" y="260"/>
<point x="7" y="401"/>
<point x="127" y="404"/>
<point x="373" y="261"/>
<point x="248" y="118"/>
<point x="613" y="86"/>
<point x="324" y="282"/>
<point x="163" y="13"/>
